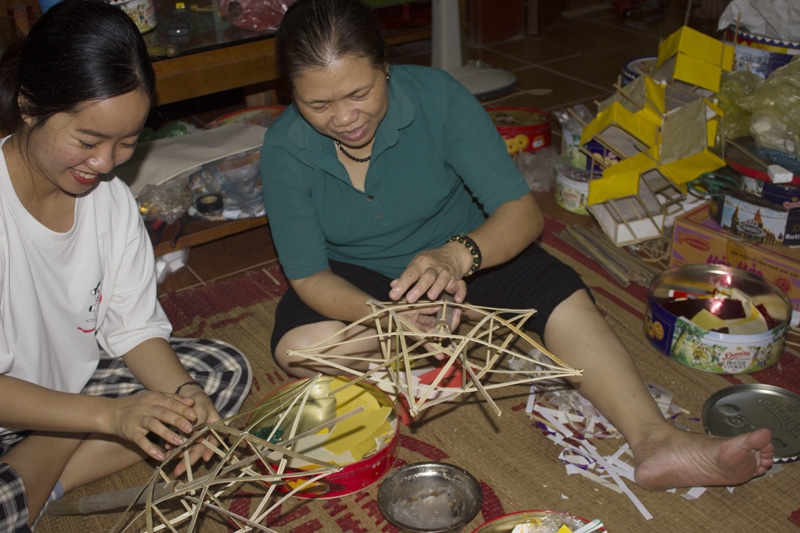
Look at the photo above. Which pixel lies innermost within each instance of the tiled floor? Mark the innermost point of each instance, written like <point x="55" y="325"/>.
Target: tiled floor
<point x="573" y="60"/>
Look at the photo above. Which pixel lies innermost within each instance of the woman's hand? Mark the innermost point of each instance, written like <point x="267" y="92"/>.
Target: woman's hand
<point x="134" y="417"/>
<point x="435" y="318"/>
<point x="206" y="413"/>
<point x="433" y="272"/>
<point x="157" y="367"/>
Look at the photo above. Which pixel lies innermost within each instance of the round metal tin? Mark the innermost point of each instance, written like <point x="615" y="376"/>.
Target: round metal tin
<point x="429" y="497"/>
<point x="524" y="129"/>
<point x="354" y="476"/>
<point x="742" y="408"/>
<point x="636" y="67"/>
<point x="710" y="351"/>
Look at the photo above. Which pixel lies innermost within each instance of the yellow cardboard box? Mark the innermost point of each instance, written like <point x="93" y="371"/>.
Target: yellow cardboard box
<point x="694" y="58"/>
<point x="697" y="238"/>
<point x="697" y="45"/>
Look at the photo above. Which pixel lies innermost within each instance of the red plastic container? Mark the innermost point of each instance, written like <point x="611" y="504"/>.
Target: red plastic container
<point x="524" y="129"/>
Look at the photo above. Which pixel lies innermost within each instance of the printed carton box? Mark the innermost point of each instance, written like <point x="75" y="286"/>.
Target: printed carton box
<point x="696" y="238"/>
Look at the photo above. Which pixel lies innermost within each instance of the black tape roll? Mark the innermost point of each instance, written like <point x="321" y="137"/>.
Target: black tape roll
<point x="209" y="203"/>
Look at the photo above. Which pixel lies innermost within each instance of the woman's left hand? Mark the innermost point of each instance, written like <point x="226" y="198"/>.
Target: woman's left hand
<point x="431" y="273"/>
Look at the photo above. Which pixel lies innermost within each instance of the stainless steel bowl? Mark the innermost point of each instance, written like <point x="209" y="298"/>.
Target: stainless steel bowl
<point x="429" y="497"/>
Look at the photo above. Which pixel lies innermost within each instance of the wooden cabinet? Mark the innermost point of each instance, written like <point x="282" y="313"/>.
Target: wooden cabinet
<point x="492" y="21"/>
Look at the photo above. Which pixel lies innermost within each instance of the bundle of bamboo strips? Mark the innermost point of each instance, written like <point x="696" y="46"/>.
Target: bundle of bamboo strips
<point x="619" y="262"/>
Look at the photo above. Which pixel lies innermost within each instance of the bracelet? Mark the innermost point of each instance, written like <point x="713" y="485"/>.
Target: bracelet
<point x="473" y="248"/>
<point x="193" y="382"/>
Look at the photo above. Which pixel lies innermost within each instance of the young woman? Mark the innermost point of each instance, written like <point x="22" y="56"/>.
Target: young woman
<point x="392" y="183"/>
<point x="81" y="329"/>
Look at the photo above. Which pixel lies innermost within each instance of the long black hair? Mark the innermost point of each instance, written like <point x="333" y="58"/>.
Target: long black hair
<point x="79" y="51"/>
<point x="314" y="33"/>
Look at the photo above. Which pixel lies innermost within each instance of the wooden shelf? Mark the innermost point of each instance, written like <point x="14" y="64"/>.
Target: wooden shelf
<point x="241" y="65"/>
<point x="196" y="232"/>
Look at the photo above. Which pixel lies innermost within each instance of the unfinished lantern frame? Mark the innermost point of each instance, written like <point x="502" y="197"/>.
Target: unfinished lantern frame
<point x="404" y="347"/>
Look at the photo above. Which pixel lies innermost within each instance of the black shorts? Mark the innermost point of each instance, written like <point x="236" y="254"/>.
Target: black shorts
<point x="532" y="280"/>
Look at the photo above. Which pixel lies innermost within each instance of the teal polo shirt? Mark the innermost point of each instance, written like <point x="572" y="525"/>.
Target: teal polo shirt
<point x="438" y="167"/>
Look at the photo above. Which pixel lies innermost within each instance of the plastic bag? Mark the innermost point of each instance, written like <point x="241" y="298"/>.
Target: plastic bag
<point x="539" y="168"/>
<point x="170" y="263"/>
<point x="167" y="201"/>
<point x="255" y="15"/>
<point x="775" y="105"/>
<point x="572" y="122"/>
<point x="237" y="180"/>
<point x="170" y="129"/>
<point x="735" y="86"/>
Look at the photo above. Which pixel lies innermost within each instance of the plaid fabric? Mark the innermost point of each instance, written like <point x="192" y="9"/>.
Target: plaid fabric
<point x="222" y="370"/>
<point x="13" y="505"/>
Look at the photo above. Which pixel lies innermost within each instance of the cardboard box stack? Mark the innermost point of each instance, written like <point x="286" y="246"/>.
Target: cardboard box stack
<point x="697" y="238"/>
<point x="661" y="128"/>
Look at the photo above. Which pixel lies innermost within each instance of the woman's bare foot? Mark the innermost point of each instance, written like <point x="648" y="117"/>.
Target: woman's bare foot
<point x="685" y="459"/>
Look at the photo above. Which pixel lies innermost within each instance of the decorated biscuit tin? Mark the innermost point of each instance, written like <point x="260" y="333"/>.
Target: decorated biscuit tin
<point x="712" y="290"/>
<point x="760" y="54"/>
<point x="523" y="128"/>
<point x="571" y="192"/>
<point x="637" y="67"/>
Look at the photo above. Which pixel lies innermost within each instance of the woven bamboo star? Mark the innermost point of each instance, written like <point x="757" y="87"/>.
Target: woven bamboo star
<point x="255" y="457"/>
<point x="484" y="352"/>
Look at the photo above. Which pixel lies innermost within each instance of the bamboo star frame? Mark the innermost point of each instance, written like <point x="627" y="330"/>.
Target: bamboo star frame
<point x="244" y="459"/>
<point x="481" y="352"/>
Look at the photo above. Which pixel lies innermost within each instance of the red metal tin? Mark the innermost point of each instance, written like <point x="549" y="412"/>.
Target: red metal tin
<point x="355" y="476"/>
<point x="524" y="129"/>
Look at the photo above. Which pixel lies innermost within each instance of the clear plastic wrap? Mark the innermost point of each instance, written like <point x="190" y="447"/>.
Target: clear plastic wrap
<point x="166" y="201"/>
<point x="734" y="87"/>
<point x="775" y="110"/>
<point x="539" y="168"/>
<point x="572" y="122"/>
<point x="237" y="180"/>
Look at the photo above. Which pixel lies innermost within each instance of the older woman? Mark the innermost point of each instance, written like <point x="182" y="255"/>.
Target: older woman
<point x="392" y="183"/>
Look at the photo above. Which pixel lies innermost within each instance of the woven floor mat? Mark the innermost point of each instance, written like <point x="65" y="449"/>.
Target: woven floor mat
<point x="517" y="466"/>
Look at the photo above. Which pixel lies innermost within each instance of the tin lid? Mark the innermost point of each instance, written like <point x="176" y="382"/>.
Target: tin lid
<point x="743" y="408"/>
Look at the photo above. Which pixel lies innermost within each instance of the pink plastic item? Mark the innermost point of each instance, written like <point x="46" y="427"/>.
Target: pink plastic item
<point x="255" y="15"/>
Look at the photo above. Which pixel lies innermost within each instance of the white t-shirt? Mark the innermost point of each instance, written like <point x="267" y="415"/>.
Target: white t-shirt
<point x="62" y="294"/>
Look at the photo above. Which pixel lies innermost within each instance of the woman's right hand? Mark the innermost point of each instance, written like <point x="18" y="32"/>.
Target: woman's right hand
<point x="433" y="272"/>
<point x="134" y="417"/>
